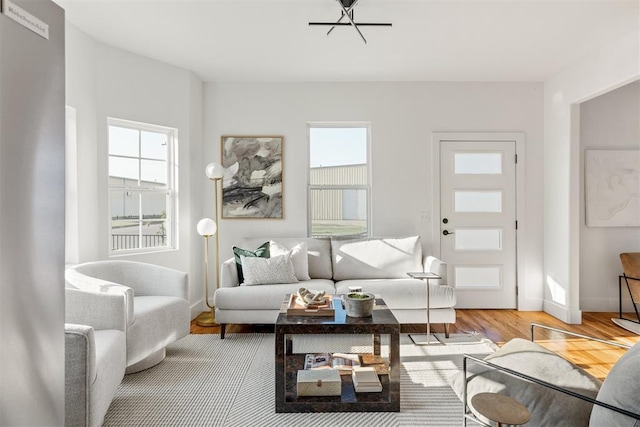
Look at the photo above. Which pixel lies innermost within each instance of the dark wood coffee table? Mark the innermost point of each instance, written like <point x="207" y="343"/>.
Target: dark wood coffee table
<point x="382" y="322"/>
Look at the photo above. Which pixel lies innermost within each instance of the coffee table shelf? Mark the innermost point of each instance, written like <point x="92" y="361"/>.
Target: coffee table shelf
<point x="295" y="362"/>
<point x="287" y="364"/>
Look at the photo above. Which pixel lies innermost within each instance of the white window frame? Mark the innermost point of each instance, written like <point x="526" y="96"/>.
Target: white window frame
<point x="367" y="187"/>
<point x="170" y="189"/>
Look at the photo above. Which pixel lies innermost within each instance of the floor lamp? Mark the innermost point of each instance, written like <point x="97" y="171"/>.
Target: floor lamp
<point x="215" y="172"/>
<point x="206" y="228"/>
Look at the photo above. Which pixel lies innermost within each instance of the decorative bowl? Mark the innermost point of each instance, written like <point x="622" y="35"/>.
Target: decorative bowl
<point x="359" y="304"/>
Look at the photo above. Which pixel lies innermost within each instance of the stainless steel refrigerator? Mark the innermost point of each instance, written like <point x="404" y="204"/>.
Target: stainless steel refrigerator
<point x="32" y="98"/>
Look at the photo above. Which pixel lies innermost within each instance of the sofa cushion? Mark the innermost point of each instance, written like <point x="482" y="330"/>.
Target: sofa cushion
<point x="266" y="271"/>
<point x="376" y="258"/>
<point x="262" y="251"/>
<point x="299" y="257"/>
<point x="547" y="407"/>
<point x="621" y="388"/>
<point x="404" y="294"/>
<point x="264" y="297"/>
<point x="318" y="252"/>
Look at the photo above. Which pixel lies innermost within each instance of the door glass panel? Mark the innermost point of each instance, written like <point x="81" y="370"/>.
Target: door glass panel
<point x="478" y="239"/>
<point x="478" y="277"/>
<point x="478" y="201"/>
<point x="477" y="163"/>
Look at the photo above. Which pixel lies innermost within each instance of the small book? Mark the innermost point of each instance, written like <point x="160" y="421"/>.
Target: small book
<point x="338" y="361"/>
<point x="365" y="380"/>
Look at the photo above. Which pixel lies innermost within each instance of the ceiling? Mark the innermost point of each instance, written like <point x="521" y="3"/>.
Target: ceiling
<point x="270" y="40"/>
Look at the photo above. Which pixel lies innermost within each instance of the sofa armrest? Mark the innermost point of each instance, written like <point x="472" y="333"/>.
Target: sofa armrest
<point x="80" y="371"/>
<point x="229" y="274"/>
<point x="109" y="308"/>
<point x="434" y="265"/>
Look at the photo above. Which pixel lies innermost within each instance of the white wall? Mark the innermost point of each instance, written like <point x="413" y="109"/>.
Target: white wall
<point x="610" y="121"/>
<point x="602" y="71"/>
<point x="403" y="117"/>
<point x="107" y="82"/>
<point x="81" y="95"/>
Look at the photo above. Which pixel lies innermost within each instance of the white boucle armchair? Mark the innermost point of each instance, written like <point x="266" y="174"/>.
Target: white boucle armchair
<point x="155" y="301"/>
<point x="95" y="356"/>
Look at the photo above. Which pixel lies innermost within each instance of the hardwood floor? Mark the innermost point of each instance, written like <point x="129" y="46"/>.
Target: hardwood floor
<point x="502" y="325"/>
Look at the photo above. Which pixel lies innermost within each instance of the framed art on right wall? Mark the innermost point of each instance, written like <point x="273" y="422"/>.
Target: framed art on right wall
<point x="612" y="188"/>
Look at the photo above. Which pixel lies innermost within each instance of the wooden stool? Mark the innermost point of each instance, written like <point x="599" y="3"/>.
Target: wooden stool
<point x="501" y="409"/>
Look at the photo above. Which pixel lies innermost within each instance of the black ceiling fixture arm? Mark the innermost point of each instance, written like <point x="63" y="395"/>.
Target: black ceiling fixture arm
<point x="347" y="11"/>
<point x="350" y="9"/>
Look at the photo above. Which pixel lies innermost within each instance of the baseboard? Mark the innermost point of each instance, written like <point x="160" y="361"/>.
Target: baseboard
<point x="605" y="304"/>
<point x="563" y="313"/>
<point x="196" y="308"/>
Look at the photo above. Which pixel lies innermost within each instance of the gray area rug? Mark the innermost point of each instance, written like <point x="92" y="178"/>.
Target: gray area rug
<point x="206" y="381"/>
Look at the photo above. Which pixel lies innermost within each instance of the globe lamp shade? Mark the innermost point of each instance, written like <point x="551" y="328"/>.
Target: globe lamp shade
<point x="214" y="171"/>
<point x="207" y="227"/>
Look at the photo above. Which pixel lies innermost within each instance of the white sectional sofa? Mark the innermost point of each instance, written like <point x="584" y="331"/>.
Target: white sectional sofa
<point x="378" y="265"/>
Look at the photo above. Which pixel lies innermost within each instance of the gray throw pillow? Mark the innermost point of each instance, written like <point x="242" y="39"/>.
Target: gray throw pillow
<point x="268" y="271"/>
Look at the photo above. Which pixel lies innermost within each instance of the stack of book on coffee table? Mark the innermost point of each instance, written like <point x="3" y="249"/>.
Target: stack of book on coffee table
<point x="365" y="379"/>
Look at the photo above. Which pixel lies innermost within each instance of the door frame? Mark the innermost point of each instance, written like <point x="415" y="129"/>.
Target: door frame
<point x="518" y="138"/>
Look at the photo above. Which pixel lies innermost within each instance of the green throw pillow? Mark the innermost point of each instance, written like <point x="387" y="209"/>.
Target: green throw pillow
<point x="261" y="252"/>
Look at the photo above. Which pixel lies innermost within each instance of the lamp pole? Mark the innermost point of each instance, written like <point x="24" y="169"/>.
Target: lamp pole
<point x="215" y="172"/>
<point x="207" y="228"/>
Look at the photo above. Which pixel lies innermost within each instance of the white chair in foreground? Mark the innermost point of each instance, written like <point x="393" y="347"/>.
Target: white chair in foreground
<point x="155" y="300"/>
<point x="555" y="391"/>
<point x="95" y="358"/>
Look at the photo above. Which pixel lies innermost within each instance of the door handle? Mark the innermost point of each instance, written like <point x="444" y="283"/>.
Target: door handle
<point x="447" y="232"/>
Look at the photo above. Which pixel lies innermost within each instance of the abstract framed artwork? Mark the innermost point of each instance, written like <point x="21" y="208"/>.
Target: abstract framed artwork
<point x="252" y="185"/>
<point x="612" y="188"/>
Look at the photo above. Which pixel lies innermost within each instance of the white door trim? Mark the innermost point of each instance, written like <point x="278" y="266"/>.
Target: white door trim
<point x="518" y="138"/>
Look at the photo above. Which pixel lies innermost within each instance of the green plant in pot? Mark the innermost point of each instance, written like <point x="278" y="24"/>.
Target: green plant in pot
<point x="359" y="304"/>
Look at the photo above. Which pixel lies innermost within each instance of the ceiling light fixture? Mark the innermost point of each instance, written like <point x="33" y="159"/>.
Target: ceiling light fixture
<point x="347" y="11"/>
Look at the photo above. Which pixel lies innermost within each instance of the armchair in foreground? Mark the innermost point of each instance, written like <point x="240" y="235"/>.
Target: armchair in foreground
<point x="155" y="299"/>
<point x="554" y="390"/>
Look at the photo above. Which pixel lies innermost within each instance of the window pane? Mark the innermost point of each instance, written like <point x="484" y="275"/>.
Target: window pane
<point x="338" y="212"/>
<point x="122" y="167"/>
<point x="154" y="205"/>
<point x="125" y="205"/>
<point x="125" y="224"/>
<point x="478" y="163"/>
<point x="478" y="201"/>
<point x="154" y="234"/>
<point x="478" y="240"/>
<point x="338" y="156"/>
<point x="478" y="277"/>
<point x="153" y="145"/>
<point x="153" y="171"/>
<point x="123" y="141"/>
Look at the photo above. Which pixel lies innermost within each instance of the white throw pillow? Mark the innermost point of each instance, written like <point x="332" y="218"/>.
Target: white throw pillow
<point x="267" y="271"/>
<point x="299" y="258"/>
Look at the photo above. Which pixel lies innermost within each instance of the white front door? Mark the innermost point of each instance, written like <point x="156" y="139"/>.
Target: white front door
<point x="478" y="221"/>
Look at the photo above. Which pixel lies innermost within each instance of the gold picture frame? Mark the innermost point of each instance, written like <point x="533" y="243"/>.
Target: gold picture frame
<point x="253" y="184"/>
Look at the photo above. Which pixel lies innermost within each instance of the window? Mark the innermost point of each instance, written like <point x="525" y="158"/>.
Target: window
<point x="141" y="186"/>
<point x="339" y="180"/>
